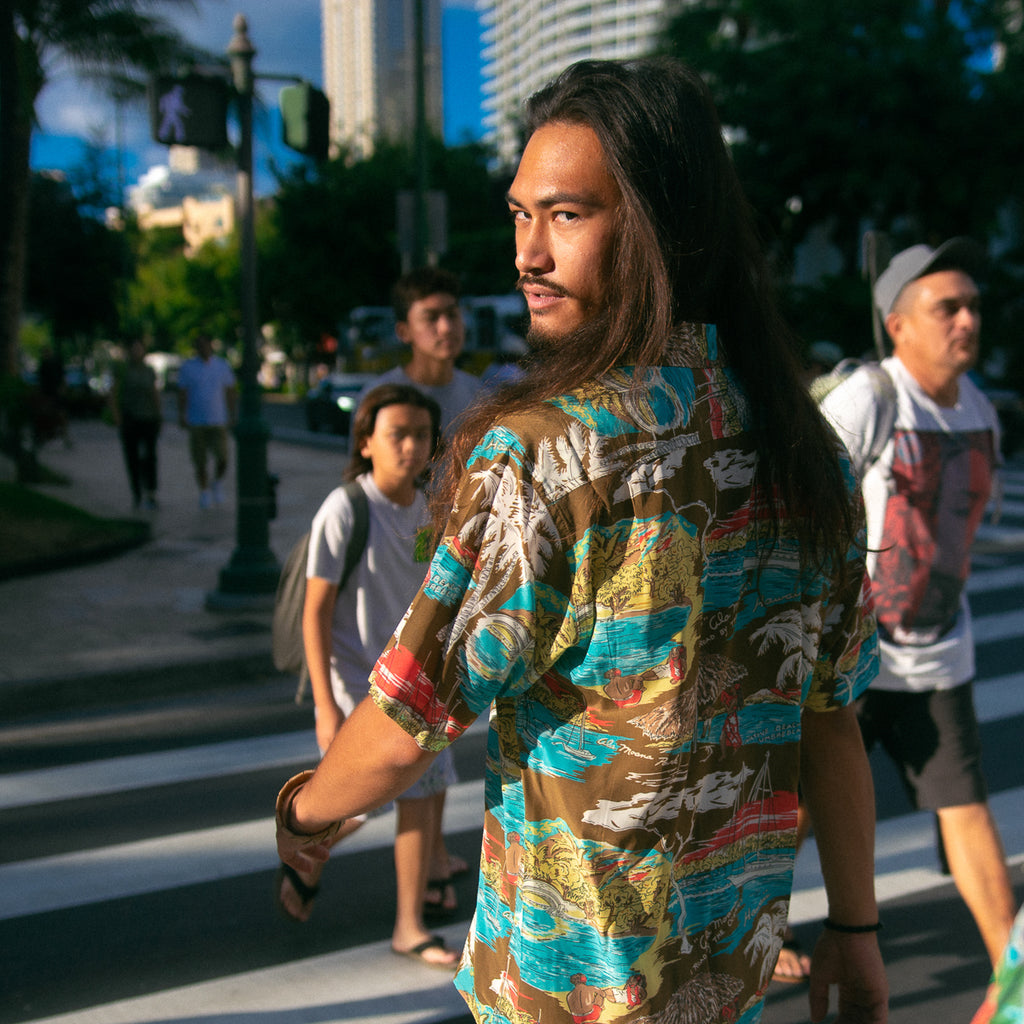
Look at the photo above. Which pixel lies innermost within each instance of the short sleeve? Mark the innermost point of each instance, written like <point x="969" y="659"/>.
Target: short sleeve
<point x="494" y="611"/>
<point x="329" y="536"/>
<point x="847" y="660"/>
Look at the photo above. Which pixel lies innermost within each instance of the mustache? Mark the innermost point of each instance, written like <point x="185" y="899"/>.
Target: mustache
<point x="542" y="282"/>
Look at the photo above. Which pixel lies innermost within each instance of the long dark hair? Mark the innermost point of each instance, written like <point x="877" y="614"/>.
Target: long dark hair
<point x="685" y="251"/>
<point x="365" y="420"/>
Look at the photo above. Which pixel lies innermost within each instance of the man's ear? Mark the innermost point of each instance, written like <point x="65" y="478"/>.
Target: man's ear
<point x="402" y="332"/>
<point x="893" y="324"/>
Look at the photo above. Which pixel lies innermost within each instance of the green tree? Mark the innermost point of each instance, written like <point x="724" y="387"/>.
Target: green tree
<point x="75" y="264"/>
<point x="173" y="297"/>
<point x="331" y="244"/>
<point x="95" y="36"/>
<point x="849" y="114"/>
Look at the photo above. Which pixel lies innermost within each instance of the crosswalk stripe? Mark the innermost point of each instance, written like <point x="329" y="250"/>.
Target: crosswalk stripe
<point x="188" y="858"/>
<point x="905" y="858"/>
<point x="161" y="768"/>
<point x="998" y="626"/>
<point x="359" y="985"/>
<point x="982" y="581"/>
<point x="137" y="771"/>
<point x="996" y="699"/>
<point x="999" y="538"/>
<point x="1009" y="506"/>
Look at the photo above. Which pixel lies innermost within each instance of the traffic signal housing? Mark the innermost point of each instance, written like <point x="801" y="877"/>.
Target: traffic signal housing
<point x="305" y="120"/>
<point x="189" y="110"/>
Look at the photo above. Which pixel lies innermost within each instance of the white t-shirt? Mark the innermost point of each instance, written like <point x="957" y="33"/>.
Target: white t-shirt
<point x="204" y="383"/>
<point x="381" y="586"/>
<point x="924" y="498"/>
<point x="454" y="397"/>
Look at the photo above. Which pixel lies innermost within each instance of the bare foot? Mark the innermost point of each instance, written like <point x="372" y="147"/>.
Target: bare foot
<point x="430" y="951"/>
<point x="793" y="964"/>
<point x="448" y="866"/>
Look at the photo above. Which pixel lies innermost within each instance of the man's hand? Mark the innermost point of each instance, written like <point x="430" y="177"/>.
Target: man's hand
<point x="854" y="964"/>
<point x="303" y="852"/>
<point x="299" y="853"/>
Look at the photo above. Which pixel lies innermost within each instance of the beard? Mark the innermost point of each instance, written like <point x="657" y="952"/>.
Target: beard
<point x="587" y="337"/>
<point x="538" y="340"/>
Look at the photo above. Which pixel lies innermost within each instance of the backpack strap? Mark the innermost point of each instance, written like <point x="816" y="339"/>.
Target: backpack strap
<point x="360" y="530"/>
<point x="885" y="410"/>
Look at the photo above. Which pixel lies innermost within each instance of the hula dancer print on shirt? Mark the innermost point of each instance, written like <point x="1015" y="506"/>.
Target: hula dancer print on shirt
<point x="603" y="589"/>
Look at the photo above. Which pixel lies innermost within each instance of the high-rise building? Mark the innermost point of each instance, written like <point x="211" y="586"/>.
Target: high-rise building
<point x="369" y="49"/>
<point x="528" y="42"/>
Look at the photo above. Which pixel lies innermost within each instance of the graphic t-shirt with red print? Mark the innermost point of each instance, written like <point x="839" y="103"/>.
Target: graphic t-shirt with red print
<point x="925" y="497"/>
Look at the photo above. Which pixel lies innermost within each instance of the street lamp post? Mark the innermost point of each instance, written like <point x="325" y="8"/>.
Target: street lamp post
<point x="251" y="575"/>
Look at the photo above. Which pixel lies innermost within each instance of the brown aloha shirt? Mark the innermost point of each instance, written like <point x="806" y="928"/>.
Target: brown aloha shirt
<point x="602" y="587"/>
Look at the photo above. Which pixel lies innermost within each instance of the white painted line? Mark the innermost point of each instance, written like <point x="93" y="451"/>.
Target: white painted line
<point x="982" y="581"/>
<point x="137" y="771"/>
<point x="906" y="861"/>
<point x="188" y="858"/>
<point x="996" y="699"/>
<point x="361" y="985"/>
<point x="998" y="626"/>
<point x="163" y="768"/>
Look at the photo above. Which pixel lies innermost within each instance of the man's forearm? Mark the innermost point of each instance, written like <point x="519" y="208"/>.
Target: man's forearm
<point x="371" y="761"/>
<point x="837" y="787"/>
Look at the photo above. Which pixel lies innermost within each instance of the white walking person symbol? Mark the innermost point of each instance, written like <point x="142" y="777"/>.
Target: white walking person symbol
<point x="173" y="112"/>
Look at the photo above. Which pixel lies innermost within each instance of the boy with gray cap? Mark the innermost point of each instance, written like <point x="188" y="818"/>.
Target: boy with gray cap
<point x="925" y="493"/>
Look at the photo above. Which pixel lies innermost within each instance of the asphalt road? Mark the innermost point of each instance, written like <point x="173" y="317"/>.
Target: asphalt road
<point x="137" y="860"/>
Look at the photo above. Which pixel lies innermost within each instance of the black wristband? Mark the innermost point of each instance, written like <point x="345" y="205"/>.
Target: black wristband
<point x="852" y="929"/>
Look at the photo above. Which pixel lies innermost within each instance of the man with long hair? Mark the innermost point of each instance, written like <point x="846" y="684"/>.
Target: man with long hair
<point x="650" y="573"/>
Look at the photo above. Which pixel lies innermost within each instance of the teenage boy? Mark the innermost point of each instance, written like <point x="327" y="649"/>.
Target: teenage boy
<point x="429" y="321"/>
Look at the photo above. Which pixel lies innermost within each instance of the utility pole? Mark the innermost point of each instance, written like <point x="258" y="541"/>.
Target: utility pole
<point x="251" y="575"/>
<point x="421" y="231"/>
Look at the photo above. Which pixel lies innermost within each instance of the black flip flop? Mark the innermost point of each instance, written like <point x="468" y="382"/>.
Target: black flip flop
<point x="416" y="953"/>
<point x="306" y="893"/>
<point x="446" y="905"/>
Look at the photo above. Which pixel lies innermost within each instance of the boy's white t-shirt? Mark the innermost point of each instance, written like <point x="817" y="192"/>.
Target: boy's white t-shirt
<point x="931" y="444"/>
<point x="381" y="586"/>
<point x="454" y="398"/>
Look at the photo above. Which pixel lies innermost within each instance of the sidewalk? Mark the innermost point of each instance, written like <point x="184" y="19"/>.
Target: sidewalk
<point x="139" y="621"/>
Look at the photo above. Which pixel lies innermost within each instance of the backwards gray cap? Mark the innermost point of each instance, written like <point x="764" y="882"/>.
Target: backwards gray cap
<point x="957" y="253"/>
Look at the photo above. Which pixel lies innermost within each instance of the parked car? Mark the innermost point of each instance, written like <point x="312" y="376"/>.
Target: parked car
<point x="331" y="403"/>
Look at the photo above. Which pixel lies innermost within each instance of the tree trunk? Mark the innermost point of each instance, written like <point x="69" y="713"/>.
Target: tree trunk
<point x="15" y="138"/>
<point x="17" y="101"/>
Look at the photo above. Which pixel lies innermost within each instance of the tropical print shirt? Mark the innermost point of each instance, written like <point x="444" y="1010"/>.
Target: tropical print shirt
<point x="1004" y="1000"/>
<point x="603" y="590"/>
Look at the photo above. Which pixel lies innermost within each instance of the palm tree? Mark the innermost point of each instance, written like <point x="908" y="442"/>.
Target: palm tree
<point x="100" y="37"/>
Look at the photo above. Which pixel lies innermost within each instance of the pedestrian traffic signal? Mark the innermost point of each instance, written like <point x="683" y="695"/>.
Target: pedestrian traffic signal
<point x="305" y="120"/>
<point x="189" y="110"/>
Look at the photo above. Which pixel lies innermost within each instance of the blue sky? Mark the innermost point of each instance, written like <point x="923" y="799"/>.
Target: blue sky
<point x="287" y="40"/>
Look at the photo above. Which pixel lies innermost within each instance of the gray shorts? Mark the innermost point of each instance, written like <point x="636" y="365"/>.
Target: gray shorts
<point x="933" y="739"/>
<point x="436" y="779"/>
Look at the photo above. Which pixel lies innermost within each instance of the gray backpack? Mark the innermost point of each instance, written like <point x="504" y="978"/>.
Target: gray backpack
<point x="286" y="643"/>
<point x="885" y="394"/>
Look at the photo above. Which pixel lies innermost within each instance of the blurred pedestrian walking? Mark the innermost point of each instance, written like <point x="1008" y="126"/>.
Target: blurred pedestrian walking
<point x="207" y="407"/>
<point x="135" y="406"/>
